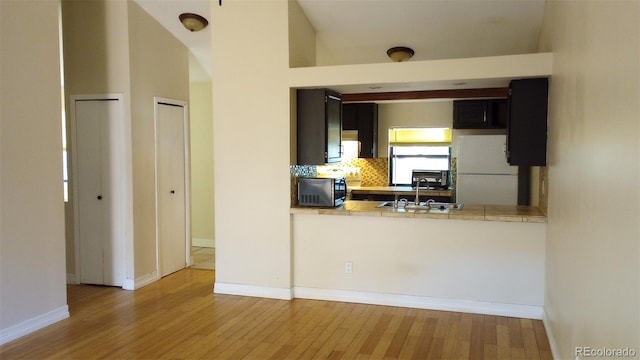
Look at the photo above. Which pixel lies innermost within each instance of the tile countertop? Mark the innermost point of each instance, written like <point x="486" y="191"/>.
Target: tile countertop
<point x="401" y="190"/>
<point x="508" y="213"/>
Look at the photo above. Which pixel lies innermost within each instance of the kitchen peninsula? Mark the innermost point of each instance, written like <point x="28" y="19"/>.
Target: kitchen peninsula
<point x="486" y="259"/>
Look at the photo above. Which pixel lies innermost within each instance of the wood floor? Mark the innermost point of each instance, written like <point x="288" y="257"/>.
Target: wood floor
<point x="179" y="317"/>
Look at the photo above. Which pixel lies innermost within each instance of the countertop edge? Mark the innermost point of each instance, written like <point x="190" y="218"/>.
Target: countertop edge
<point x="525" y="214"/>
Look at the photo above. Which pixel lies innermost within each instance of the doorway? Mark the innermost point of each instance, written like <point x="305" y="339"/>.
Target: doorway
<point x="172" y="186"/>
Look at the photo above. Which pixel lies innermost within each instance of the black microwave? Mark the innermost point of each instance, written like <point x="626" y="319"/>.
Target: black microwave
<point x="322" y="192"/>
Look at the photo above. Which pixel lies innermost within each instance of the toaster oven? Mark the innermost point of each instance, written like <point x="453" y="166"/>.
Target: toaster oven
<point x="322" y="192"/>
<point x="438" y="179"/>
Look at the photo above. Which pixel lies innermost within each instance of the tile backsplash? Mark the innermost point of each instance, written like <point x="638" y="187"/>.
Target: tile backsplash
<point x="375" y="171"/>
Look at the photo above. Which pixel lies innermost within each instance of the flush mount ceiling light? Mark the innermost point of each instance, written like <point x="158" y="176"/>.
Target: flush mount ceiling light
<point x="193" y="22"/>
<point x="400" y="53"/>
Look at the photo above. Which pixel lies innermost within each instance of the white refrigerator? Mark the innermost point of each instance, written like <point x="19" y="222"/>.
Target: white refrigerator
<point x="483" y="174"/>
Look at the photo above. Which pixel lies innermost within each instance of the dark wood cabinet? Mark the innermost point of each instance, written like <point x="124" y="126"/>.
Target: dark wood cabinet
<point x="363" y="117"/>
<point x="480" y="114"/>
<point x="319" y="114"/>
<point x="349" y="117"/>
<point x="527" y="126"/>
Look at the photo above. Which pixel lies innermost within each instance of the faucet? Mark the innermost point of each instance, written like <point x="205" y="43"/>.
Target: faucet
<point x="417" y="200"/>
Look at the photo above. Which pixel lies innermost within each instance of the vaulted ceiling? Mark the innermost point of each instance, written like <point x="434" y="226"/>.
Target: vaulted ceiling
<point x="360" y="31"/>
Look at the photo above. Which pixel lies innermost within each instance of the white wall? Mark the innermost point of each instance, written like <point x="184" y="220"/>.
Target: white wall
<point x="201" y="121"/>
<point x="593" y="250"/>
<point x="32" y="240"/>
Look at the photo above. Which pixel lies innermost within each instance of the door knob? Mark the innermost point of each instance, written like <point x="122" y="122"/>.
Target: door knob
<point x="99" y="197"/>
<point x="173" y="191"/>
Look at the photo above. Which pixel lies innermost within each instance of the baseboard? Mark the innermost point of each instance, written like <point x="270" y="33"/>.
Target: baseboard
<point x="422" y="302"/>
<point x="552" y="340"/>
<point x="419" y="302"/>
<point x="203" y="242"/>
<point x="71" y="279"/>
<point x="28" y="326"/>
<point x="137" y="283"/>
<point x="250" y="290"/>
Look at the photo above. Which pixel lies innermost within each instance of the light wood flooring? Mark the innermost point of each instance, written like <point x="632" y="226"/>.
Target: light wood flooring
<point x="203" y="258"/>
<point x="179" y="317"/>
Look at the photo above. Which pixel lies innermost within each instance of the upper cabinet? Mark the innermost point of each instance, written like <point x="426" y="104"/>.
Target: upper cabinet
<point x="527" y="127"/>
<point x="480" y="114"/>
<point x="363" y="117"/>
<point x="319" y="126"/>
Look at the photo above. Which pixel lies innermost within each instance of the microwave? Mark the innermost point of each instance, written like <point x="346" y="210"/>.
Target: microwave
<point x="321" y="191"/>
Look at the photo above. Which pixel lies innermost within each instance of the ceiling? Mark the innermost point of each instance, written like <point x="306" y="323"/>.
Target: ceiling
<point x="361" y="31"/>
<point x="199" y="43"/>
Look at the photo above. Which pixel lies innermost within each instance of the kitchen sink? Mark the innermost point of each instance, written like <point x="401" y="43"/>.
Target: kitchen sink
<point x="432" y="206"/>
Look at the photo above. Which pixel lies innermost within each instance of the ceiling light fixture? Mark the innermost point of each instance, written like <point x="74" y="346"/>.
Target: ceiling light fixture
<point x="400" y="53"/>
<point x="193" y="22"/>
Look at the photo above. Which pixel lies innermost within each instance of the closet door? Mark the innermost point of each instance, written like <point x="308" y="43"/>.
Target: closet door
<point x="171" y="190"/>
<point x="101" y="252"/>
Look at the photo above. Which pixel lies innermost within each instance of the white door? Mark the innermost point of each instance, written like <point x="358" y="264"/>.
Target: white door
<point x="171" y="189"/>
<point x="98" y="225"/>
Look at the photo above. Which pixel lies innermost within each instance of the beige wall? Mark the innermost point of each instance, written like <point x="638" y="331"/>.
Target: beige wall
<point x="96" y="47"/>
<point x="116" y="47"/>
<point x="201" y="121"/>
<point x="488" y="262"/>
<point x="593" y="250"/>
<point x="411" y="114"/>
<point x="302" y="38"/>
<point x="252" y="97"/>
<point x="96" y="61"/>
<point x="32" y="257"/>
<point x="251" y="122"/>
<point x="159" y="66"/>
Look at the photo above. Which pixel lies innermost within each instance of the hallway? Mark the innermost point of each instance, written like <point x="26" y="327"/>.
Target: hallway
<point x="203" y="258"/>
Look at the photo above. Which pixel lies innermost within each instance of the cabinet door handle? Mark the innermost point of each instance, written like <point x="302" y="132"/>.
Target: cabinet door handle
<point x="484" y="117"/>
<point x="99" y="197"/>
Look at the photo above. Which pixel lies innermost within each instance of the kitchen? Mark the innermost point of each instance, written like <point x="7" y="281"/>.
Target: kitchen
<point x="261" y="255"/>
<point x="415" y="140"/>
<point x="485" y="257"/>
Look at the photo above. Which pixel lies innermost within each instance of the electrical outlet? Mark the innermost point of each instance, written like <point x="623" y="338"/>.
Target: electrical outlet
<point x="348" y="267"/>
